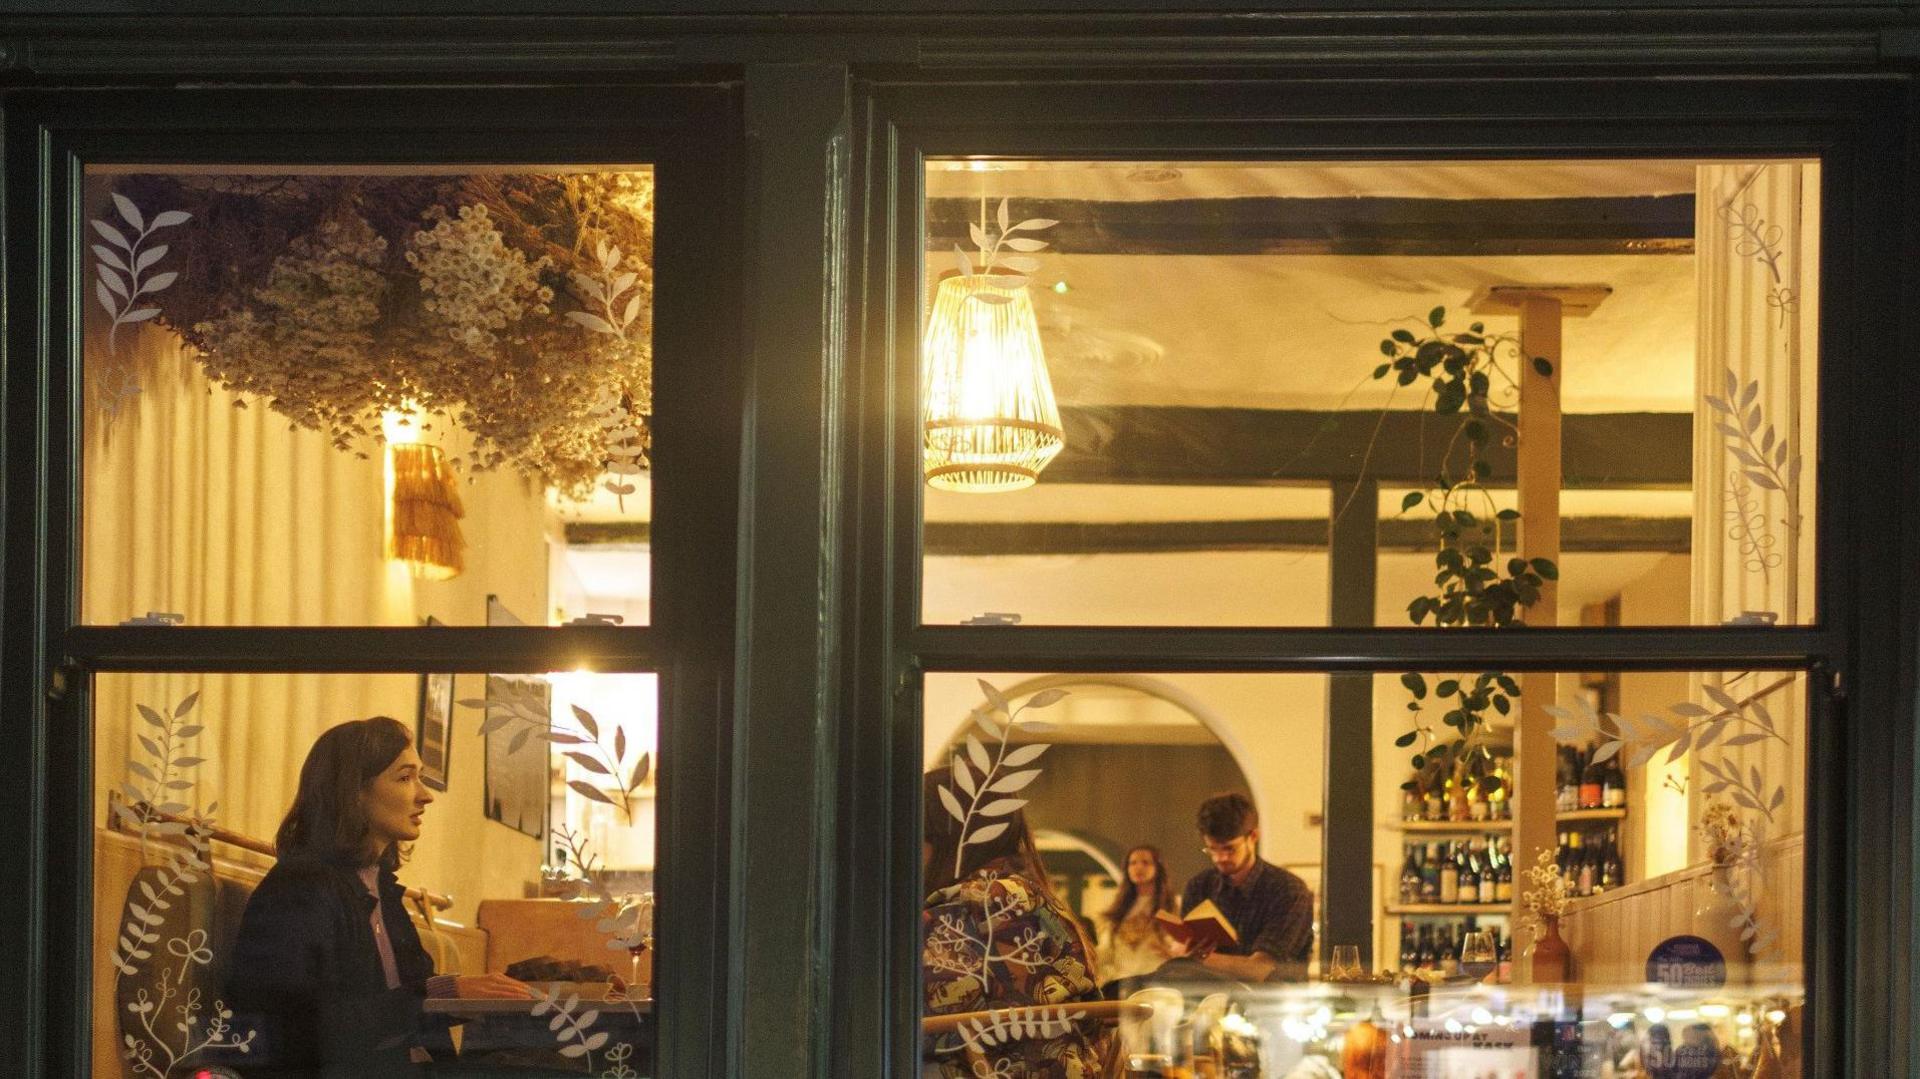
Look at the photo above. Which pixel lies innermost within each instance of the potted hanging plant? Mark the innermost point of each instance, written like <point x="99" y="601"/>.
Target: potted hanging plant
<point x="1471" y="377"/>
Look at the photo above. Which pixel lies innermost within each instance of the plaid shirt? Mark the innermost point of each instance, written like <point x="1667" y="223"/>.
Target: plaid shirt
<point x="1272" y="913"/>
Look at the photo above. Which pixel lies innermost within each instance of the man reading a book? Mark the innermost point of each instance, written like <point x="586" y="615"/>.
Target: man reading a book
<point x="1269" y="910"/>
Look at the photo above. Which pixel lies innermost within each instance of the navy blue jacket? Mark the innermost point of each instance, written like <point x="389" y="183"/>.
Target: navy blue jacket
<point x="305" y="974"/>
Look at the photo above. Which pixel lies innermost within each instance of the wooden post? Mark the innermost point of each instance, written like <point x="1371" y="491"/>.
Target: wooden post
<point x="1535" y="823"/>
<point x="1347" y="901"/>
<point x="1539" y="480"/>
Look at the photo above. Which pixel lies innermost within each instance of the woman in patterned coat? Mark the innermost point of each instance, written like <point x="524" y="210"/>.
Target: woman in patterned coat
<point x="995" y="936"/>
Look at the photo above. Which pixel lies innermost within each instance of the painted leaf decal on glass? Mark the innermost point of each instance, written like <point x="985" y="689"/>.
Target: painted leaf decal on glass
<point x="129" y="212"/>
<point x="112" y="235"/>
<point x="1024" y="754"/>
<point x="952" y="805"/>
<point x="962" y="775"/>
<point x="978" y="753"/>
<point x="588" y="790"/>
<point x="1014" y="781"/>
<point x="986" y="834"/>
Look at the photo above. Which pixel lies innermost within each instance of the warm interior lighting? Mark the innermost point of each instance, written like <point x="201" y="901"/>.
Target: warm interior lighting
<point x="423" y="501"/>
<point x="991" y="423"/>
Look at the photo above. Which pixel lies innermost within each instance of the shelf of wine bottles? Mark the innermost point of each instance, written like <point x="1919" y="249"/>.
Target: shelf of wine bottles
<point x="1454" y="791"/>
<point x="1428" y="946"/>
<point x="1590" y="859"/>
<point x="1584" y="783"/>
<point x="1460" y="872"/>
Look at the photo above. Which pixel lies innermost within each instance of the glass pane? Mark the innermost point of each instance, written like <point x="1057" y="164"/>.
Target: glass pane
<point x="1201" y="393"/>
<point x="366" y="396"/>
<point x="235" y="822"/>
<point x="1657" y="833"/>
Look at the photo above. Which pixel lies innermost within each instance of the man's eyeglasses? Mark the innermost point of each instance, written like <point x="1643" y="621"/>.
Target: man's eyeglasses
<point x="1227" y="849"/>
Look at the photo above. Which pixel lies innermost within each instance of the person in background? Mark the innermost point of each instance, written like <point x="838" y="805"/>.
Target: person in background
<point x="328" y="969"/>
<point x="994" y="935"/>
<point x="1270" y="909"/>
<point x="1131" y="939"/>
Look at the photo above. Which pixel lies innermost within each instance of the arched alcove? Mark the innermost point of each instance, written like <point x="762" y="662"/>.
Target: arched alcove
<point x="1131" y="759"/>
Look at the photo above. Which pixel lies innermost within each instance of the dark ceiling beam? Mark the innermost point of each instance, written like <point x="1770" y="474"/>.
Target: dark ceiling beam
<point x="971" y="539"/>
<point x="975" y="539"/>
<point x="1253" y="446"/>
<point x="1650" y="224"/>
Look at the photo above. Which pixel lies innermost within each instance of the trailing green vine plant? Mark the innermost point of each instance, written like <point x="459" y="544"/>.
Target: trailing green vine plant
<point x="1478" y="580"/>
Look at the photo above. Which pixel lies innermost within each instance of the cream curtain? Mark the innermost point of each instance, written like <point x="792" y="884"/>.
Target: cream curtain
<point x="226" y="516"/>
<point x="1757" y="232"/>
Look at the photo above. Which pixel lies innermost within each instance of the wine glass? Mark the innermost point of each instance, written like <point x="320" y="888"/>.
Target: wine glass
<point x="1345" y="966"/>
<point x="641" y="937"/>
<point x="1477" y="956"/>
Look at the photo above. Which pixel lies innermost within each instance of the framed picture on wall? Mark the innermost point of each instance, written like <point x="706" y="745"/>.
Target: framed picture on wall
<point x="433" y="730"/>
<point x="515" y="793"/>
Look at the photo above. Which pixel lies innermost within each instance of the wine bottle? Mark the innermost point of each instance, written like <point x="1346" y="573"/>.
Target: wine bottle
<point x="1615" y="868"/>
<point x="1449" y="878"/>
<point x="1590" y="786"/>
<point x="1410" y="875"/>
<point x="1583" y="866"/>
<point x="1613" y="792"/>
<point x="1567" y="787"/>
<point x="1430" y="875"/>
<point x="1469" y="876"/>
<point x="1423" y="956"/>
<point x="1489" y="892"/>
<point x="1409" y="947"/>
<point x="1457" y="807"/>
<point x="1503" y="884"/>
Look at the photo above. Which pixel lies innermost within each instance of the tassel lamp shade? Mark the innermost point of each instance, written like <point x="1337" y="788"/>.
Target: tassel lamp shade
<point x="423" y="503"/>
<point x="990" y="422"/>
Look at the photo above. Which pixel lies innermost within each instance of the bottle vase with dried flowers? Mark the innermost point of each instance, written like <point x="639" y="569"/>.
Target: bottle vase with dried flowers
<point x="1552" y="959"/>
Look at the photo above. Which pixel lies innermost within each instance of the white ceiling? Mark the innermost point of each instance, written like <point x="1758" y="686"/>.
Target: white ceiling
<point x="1303" y="331"/>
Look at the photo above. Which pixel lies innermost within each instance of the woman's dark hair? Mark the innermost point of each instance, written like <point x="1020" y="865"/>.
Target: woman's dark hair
<point x="943" y="833"/>
<point x="1227" y="817"/>
<point x="327" y="821"/>
<point x="1129" y="891"/>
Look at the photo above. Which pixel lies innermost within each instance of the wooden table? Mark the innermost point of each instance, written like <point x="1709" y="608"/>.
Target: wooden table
<point x="502" y="1037"/>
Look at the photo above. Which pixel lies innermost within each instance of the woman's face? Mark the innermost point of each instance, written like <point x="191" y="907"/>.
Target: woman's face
<point x="1140" y="867"/>
<point x="395" y="800"/>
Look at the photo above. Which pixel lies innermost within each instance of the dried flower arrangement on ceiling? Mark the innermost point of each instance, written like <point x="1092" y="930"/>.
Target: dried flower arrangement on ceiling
<point x="518" y="306"/>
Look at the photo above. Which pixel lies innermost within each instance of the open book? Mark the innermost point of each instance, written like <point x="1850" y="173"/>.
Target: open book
<point x="1203" y="927"/>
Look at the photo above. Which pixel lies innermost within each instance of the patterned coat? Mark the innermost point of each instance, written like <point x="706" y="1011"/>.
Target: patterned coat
<point x="997" y="940"/>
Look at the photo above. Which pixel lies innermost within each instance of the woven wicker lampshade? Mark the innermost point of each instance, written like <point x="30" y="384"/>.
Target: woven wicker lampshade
<point x="990" y="422"/>
<point x="424" y="508"/>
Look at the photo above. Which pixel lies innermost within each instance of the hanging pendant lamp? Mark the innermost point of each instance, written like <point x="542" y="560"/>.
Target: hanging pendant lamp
<point x="990" y="422"/>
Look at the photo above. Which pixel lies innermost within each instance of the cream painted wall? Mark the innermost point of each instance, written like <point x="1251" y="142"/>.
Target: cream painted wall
<point x="1659" y="822"/>
<point x="226" y="516"/>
